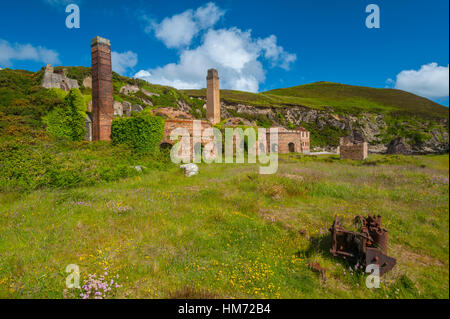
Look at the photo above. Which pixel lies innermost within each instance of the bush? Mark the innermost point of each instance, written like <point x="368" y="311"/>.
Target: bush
<point x="29" y="163"/>
<point x="68" y="121"/>
<point x="143" y="132"/>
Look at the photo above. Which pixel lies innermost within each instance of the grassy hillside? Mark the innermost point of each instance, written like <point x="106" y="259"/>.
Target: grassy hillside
<point x="231" y="232"/>
<point x="341" y="97"/>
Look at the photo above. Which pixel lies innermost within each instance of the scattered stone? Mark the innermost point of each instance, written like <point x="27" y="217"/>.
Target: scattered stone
<point x="87" y="82"/>
<point x="118" y="108"/>
<point x="139" y="168"/>
<point x="150" y="94"/>
<point x="189" y="169"/>
<point x="136" y="108"/>
<point x="126" y="108"/>
<point x="127" y="89"/>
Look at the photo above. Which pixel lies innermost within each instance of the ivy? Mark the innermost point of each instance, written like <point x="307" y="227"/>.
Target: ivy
<point x="68" y="120"/>
<point x="143" y="132"/>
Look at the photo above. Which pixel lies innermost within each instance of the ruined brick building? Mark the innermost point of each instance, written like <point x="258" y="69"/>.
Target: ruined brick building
<point x="351" y="148"/>
<point x="292" y="141"/>
<point x="289" y="141"/>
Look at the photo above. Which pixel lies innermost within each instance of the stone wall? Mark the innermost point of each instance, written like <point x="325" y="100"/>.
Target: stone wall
<point x="354" y="151"/>
<point x="58" y="80"/>
<point x="88" y="127"/>
<point x="171" y="124"/>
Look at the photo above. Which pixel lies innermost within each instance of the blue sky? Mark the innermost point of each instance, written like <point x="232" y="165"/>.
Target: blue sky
<point x="255" y="45"/>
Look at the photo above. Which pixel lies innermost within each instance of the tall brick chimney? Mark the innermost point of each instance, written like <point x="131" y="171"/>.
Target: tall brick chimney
<point x="102" y="89"/>
<point x="212" y="96"/>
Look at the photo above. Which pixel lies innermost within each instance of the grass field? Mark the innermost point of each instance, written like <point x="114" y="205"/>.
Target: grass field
<point x="230" y="232"/>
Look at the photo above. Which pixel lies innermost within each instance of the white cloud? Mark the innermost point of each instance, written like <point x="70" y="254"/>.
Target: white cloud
<point x="276" y="53"/>
<point x="122" y="62"/>
<point x="25" y="52"/>
<point x="180" y="29"/>
<point x="431" y="81"/>
<point x="233" y="52"/>
<point x="177" y="30"/>
<point x="208" y="15"/>
<point x="142" y="74"/>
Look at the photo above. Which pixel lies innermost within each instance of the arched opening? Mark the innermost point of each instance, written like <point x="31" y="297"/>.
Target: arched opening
<point x="198" y="148"/>
<point x="274" y="148"/>
<point x="165" y="146"/>
<point x="262" y="148"/>
<point x="291" y="147"/>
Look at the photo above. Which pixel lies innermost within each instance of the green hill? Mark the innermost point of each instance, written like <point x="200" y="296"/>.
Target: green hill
<point x="341" y="97"/>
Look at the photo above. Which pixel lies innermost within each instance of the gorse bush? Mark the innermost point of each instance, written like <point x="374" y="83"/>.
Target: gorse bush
<point x="143" y="132"/>
<point x="68" y="120"/>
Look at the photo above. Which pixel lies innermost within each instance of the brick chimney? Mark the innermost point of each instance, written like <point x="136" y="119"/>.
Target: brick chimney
<point x="102" y="89"/>
<point x="212" y="96"/>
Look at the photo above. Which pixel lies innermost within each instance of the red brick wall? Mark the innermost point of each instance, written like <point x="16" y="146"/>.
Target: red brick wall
<point x="300" y="139"/>
<point x="170" y="125"/>
<point x="212" y="97"/>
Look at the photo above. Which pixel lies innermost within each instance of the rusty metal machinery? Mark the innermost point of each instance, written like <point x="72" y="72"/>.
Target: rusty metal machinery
<point x="366" y="247"/>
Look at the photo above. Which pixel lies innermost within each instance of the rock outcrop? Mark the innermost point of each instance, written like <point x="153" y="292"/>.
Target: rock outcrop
<point x="118" y="108"/>
<point x="128" y="108"/>
<point x="58" y="80"/>
<point x="398" y="146"/>
<point x="128" y="89"/>
<point x="87" y="82"/>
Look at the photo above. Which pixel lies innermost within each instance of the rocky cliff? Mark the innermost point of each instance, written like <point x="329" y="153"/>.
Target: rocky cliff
<point x="422" y="136"/>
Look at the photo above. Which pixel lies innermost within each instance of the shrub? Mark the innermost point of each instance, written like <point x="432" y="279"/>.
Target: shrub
<point x="29" y="163"/>
<point x="68" y="120"/>
<point x="143" y="132"/>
